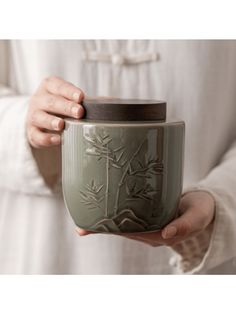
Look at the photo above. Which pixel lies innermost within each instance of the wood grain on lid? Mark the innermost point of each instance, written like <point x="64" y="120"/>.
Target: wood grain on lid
<point x="124" y="109"/>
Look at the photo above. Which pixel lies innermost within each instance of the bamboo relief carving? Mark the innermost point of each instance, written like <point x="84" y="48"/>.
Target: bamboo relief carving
<point x="133" y="173"/>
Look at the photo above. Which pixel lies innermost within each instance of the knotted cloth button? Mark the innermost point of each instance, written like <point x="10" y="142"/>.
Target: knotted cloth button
<point x="117" y="59"/>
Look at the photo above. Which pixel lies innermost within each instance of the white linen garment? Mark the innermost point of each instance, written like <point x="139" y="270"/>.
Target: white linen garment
<point x="196" y="78"/>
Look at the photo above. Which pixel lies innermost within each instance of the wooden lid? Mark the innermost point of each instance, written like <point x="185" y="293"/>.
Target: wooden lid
<point x="124" y="109"/>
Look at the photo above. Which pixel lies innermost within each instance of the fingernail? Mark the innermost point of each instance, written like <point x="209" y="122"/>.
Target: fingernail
<point x="55" y="124"/>
<point x="76" y="96"/>
<point x="170" y="232"/>
<point x="55" y="139"/>
<point x="75" y="111"/>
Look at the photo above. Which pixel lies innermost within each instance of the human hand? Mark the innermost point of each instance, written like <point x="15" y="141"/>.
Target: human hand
<point x="53" y="97"/>
<point x="196" y="210"/>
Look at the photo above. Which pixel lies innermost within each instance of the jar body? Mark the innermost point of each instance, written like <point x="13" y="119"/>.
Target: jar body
<point x="122" y="177"/>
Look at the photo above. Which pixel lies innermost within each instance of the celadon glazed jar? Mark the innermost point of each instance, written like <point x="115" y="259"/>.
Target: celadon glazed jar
<point x="122" y="166"/>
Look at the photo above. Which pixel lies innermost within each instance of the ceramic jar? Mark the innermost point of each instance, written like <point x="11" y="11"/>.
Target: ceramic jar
<point x="122" y="166"/>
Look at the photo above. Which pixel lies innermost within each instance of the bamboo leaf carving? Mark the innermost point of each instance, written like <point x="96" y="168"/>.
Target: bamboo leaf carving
<point x="117" y="149"/>
<point x="99" y="147"/>
<point x="145" y="169"/>
<point x="90" y="196"/>
<point x="146" y="193"/>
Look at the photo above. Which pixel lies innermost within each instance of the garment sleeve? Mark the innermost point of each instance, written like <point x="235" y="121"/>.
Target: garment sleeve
<point x="216" y="244"/>
<point x="21" y="168"/>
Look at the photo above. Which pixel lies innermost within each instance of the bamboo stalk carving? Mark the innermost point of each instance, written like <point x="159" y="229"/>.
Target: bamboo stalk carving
<point x="100" y="146"/>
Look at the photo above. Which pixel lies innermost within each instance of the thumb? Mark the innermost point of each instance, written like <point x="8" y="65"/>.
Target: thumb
<point x="181" y="226"/>
<point x="197" y="210"/>
<point x="191" y="221"/>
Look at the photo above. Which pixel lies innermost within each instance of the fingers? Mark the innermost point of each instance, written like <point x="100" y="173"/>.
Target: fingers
<point x="58" y="105"/>
<point x="43" y="120"/>
<point x="57" y="86"/>
<point x="39" y="118"/>
<point x="54" y="97"/>
<point x="39" y="139"/>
